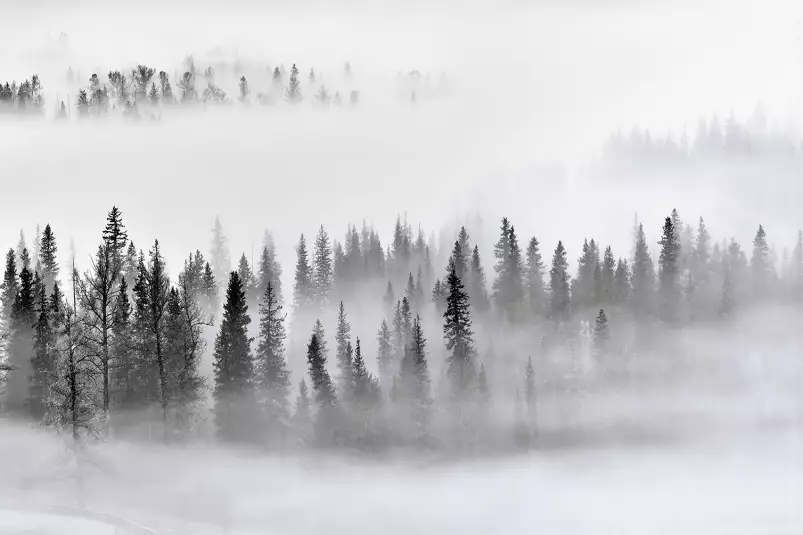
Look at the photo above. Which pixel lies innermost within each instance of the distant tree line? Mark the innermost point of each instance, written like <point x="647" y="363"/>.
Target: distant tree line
<point x="115" y="350"/>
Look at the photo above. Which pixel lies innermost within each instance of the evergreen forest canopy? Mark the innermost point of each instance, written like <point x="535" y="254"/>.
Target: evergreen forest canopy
<point x="457" y="359"/>
<point x="144" y="87"/>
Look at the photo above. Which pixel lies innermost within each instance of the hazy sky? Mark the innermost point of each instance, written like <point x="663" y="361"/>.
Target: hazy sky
<point x="533" y="84"/>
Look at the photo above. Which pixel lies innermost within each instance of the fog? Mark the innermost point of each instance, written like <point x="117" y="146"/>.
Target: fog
<point x="519" y="102"/>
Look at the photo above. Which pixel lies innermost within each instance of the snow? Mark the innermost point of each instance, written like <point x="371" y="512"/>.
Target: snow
<point x="28" y="523"/>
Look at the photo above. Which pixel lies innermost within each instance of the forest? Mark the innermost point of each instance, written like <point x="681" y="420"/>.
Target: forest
<point x="116" y="351"/>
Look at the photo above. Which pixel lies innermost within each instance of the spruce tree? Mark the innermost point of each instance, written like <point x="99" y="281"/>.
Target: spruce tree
<point x="384" y="357"/>
<point x="219" y="253"/>
<point x="248" y="280"/>
<point x="322" y="267"/>
<point x="304" y="288"/>
<point x="459" y="338"/>
<point x="559" y="298"/>
<point x="669" y="275"/>
<point x="534" y="291"/>
<point x="20" y="348"/>
<point x="389" y="298"/>
<point x="413" y="386"/>
<point x="157" y="289"/>
<point x="343" y="353"/>
<point x="325" y="396"/>
<point x="270" y="271"/>
<point x="410" y="291"/>
<point x="602" y="335"/>
<point x="605" y="282"/>
<point x="642" y="277"/>
<point x="48" y="258"/>
<point x="43" y="361"/>
<point x="293" y="92"/>
<point x="761" y="266"/>
<point x="272" y="375"/>
<point x="508" y="286"/>
<point x="9" y="287"/>
<point x="583" y="287"/>
<point x="621" y="283"/>
<point x="234" y="369"/>
<point x="477" y="290"/>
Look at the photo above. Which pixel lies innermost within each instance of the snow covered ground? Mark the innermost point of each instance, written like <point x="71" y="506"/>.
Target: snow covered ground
<point x="28" y="523"/>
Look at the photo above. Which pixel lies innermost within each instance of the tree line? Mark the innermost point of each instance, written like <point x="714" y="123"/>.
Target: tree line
<point x="117" y="350"/>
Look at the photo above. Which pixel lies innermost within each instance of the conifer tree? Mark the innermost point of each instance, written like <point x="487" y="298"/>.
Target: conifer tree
<point x="410" y="291"/>
<point x="270" y="270"/>
<point x="508" y="286"/>
<point x="304" y="287"/>
<point x="605" y="288"/>
<point x="413" y="385"/>
<point x="325" y="396"/>
<point x="389" y="298"/>
<point x="234" y="369"/>
<point x="642" y="277"/>
<point x="43" y="362"/>
<point x="761" y="265"/>
<point x="460" y="260"/>
<point x="384" y="357"/>
<point x="459" y="338"/>
<point x="293" y="92"/>
<point x="272" y="375"/>
<point x="583" y="287"/>
<point x="9" y="287"/>
<point x="477" y="290"/>
<point x="219" y="255"/>
<point x="323" y="270"/>
<point x="534" y="290"/>
<point x="669" y="276"/>
<point x="621" y="283"/>
<point x="559" y="298"/>
<point x="157" y="287"/>
<point x="343" y="353"/>
<point x="733" y="278"/>
<point x="48" y="258"/>
<point x="602" y="335"/>
<point x="20" y="350"/>
<point x="248" y="280"/>
<point x="365" y="397"/>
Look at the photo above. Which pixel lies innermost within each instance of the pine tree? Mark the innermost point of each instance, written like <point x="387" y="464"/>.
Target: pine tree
<point x="733" y="278"/>
<point x="761" y="265"/>
<point x="48" y="258"/>
<point x="9" y="287"/>
<point x="602" y="335"/>
<point x="384" y="357"/>
<point x="270" y="271"/>
<point x="669" y="276"/>
<point x="621" y="283"/>
<point x="43" y="361"/>
<point x="343" y="353"/>
<point x="272" y="375"/>
<point x="583" y="287"/>
<point x="605" y="288"/>
<point x="304" y="288"/>
<point x="389" y="298"/>
<point x="325" y="397"/>
<point x="244" y="90"/>
<point x="365" y="397"/>
<point x="460" y="260"/>
<point x="642" y="277"/>
<point x="478" y="284"/>
<point x="293" y="92"/>
<point x="219" y="256"/>
<point x="439" y="296"/>
<point x="157" y="288"/>
<point x="534" y="291"/>
<point x="413" y="385"/>
<point x="248" y="281"/>
<point x="234" y="370"/>
<point x="508" y="286"/>
<point x="20" y="349"/>
<point x="410" y="291"/>
<point x="459" y="337"/>
<point x="559" y="298"/>
<point x="323" y="270"/>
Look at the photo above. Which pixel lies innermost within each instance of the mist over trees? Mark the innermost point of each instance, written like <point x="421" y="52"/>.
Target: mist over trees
<point x="373" y="350"/>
